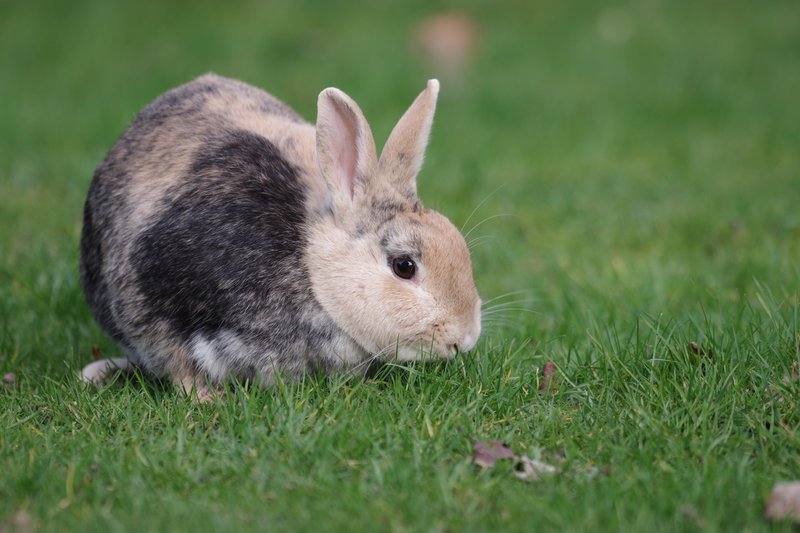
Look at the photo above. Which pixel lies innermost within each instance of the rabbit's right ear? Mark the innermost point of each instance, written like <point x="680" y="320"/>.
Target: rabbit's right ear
<point x="345" y="146"/>
<point x="401" y="159"/>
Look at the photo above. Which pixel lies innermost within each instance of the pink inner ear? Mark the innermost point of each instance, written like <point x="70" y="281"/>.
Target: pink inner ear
<point x="347" y="163"/>
<point x="345" y="135"/>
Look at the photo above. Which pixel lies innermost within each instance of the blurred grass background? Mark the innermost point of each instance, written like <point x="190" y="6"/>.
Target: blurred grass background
<point x="641" y="159"/>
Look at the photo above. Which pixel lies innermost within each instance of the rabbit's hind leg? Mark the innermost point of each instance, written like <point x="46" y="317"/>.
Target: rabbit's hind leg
<point x="101" y="371"/>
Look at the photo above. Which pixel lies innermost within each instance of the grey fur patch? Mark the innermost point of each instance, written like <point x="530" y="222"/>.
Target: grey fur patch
<point x="396" y="240"/>
<point x="231" y="235"/>
<point x="226" y="255"/>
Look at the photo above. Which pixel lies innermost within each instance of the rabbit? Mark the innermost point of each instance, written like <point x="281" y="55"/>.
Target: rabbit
<point x="224" y="236"/>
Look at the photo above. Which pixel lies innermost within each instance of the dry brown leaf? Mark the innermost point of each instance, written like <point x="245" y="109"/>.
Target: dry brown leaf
<point x="486" y="454"/>
<point x="784" y="502"/>
<point x="549" y="383"/>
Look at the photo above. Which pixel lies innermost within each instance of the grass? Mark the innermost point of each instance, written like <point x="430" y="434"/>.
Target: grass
<point x="642" y="161"/>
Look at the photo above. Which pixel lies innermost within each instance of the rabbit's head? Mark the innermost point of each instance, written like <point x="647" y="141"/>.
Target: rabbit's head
<point x="395" y="276"/>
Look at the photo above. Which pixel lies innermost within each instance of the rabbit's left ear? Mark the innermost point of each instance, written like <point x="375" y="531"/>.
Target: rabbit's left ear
<point x="401" y="159"/>
<point x="345" y="148"/>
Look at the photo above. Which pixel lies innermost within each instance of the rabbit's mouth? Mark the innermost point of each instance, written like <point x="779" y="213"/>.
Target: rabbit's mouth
<point x="426" y="348"/>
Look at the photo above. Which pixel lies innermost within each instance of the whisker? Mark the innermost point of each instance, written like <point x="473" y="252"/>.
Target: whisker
<point x="477" y="241"/>
<point x="506" y="295"/>
<point x="509" y="310"/>
<point x="507" y="307"/>
<point x="479" y="206"/>
<point x="508" y="302"/>
<point x="374" y="357"/>
<point x="485" y="220"/>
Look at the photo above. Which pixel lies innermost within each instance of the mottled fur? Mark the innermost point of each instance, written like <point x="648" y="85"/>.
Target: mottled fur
<point x="223" y="235"/>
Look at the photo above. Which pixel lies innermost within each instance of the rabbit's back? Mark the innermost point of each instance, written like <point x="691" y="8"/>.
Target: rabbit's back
<point x="194" y="229"/>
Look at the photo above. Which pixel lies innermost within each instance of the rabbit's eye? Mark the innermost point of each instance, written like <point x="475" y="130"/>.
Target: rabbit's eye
<point x="403" y="267"/>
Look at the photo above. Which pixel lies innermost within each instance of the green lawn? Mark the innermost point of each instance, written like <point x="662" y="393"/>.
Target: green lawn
<point x="636" y="168"/>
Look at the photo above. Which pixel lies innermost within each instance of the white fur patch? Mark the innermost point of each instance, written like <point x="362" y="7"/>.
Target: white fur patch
<point x="98" y="372"/>
<point x="473" y="332"/>
<point x="205" y="354"/>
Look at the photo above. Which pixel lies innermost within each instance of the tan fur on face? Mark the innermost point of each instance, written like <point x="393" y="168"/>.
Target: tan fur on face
<point x="438" y="311"/>
<point x="449" y="279"/>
